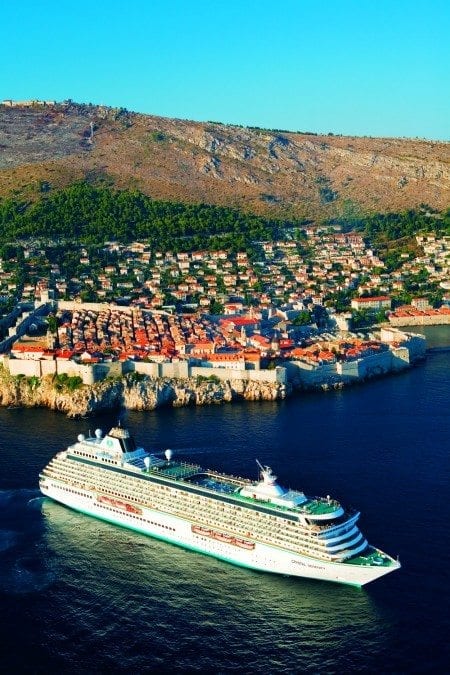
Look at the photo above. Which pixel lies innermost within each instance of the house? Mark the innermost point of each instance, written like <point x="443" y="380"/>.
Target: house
<point x="376" y="303"/>
<point x="420" y="303"/>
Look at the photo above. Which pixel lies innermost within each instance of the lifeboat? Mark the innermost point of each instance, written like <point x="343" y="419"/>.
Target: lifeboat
<point x="242" y="543"/>
<point x="226" y="538"/>
<point x="117" y="504"/>
<point x="197" y="529"/>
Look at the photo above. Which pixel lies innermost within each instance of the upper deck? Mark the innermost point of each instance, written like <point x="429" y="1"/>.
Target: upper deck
<point x="230" y="485"/>
<point x="116" y="451"/>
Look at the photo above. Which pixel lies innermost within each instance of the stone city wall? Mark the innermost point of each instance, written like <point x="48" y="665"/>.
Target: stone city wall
<point x="319" y="375"/>
<point x="97" y="372"/>
<point x="432" y="320"/>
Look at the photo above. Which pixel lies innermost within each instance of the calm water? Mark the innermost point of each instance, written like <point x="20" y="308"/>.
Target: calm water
<point x="81" y="596"/>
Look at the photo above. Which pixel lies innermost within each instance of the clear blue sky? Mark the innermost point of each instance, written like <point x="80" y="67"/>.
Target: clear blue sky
<point x="364" y="67"/>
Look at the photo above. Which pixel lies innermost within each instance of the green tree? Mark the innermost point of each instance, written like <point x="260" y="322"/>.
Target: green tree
<point x="302" y="319"/>
<point x="216" y="307"/>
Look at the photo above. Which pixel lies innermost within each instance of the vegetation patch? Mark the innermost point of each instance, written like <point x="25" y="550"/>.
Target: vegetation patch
<point x="210" y="378"/>
<point x="93" y="214"/>
<point x="135" y="377"/>
<point x="66" y="382"/>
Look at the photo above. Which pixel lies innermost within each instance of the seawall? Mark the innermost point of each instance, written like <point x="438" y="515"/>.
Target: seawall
<point x="420" y="320"/>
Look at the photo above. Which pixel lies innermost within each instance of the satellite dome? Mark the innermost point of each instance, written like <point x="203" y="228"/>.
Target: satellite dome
<point x="169" y="454"/>
<point x="98" y="433"/>
<point x="81" y="438"/>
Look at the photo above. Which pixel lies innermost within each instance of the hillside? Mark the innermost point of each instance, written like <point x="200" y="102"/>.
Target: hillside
<point x="273" y="173"/>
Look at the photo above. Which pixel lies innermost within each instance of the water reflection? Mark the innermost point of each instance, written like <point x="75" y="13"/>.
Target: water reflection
<point x="256" y="616"/>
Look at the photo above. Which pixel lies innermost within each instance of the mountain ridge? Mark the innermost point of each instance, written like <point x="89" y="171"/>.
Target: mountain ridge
<point x="274" y="173"/>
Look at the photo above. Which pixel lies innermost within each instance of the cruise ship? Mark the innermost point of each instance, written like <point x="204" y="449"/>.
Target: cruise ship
<point x="256" y="524"/>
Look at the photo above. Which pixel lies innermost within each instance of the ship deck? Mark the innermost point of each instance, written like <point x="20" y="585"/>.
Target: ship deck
<point x="372" y="558"/>
<point x="212" y="483"/>
<point x="178" y="471"/>
<point x="320" y="507"/>
<point x="231" y="486"/>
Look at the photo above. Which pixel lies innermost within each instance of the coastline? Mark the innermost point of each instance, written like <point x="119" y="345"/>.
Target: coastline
<point x="149" y="393"/>
<point x="146" y="393"/>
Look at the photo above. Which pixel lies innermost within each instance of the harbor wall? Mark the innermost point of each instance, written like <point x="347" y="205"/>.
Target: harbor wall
<point x="307" y="375"/>
<point x="415" y="343"/>
<point x="424" y="320"/>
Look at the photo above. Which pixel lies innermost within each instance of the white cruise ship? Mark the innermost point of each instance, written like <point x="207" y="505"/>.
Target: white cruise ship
<point x="259" y="525"/>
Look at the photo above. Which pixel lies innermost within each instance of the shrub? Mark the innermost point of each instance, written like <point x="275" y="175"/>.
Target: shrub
<point x="33" y="381"/>
<point x="69" y="382"/>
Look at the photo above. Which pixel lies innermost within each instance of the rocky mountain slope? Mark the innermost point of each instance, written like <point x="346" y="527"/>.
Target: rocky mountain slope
<point x="274" y="173"/>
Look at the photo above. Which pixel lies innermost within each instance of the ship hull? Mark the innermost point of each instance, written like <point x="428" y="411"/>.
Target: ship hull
<point x="181" y="532"/>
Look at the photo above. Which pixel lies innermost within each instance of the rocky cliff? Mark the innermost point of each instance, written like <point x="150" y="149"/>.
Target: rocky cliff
<point x="145" y="394"/>
<point x="275" y="173"/>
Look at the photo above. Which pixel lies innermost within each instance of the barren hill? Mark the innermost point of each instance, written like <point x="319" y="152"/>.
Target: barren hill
<point x="269" y="172"/>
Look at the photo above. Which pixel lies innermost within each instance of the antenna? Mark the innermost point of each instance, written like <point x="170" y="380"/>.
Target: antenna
<point x="259" y="464"/>
<point x="121" y="417"/>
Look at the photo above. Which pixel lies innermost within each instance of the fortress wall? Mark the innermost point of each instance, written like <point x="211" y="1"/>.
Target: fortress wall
<point x="48" y="367"/>
<point x="316" y="375"/>
<point x="228" y="365"/>
<point x="278" y="375"/>
<point x="312" y="374"/>
<point x="174" y="369"/>
<point x="390" y="334"/>
<point x="417" y="346"/>
<point x="348" y="370"/>
<point x="177" y="369"/>
<point x="43" y="367"/>
<point x="27" y="367"/>
<point x="86" y="372"/>
<point x="376" y="364"/>
<point x="432" y="320"/>
<point x="400" y="357"/>
<point x="150" y="369"/>
<point x="72" y="306"/>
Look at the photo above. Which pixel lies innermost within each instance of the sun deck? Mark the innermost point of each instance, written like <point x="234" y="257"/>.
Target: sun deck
<point x="214" y="483"/>
<point x="176" y="470"/>
<point x="373" y="557"/>
<point x="230" y="485"/>
<point x="320" y="507"/>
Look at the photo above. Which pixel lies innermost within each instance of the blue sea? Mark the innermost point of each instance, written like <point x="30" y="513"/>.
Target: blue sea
<point x="80" y="596"/>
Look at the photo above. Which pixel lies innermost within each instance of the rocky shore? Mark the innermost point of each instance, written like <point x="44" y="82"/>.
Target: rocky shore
<point x="143" y="393"/>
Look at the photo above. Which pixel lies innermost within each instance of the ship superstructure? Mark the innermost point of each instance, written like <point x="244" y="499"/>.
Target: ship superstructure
<point x="256" y="524"/>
